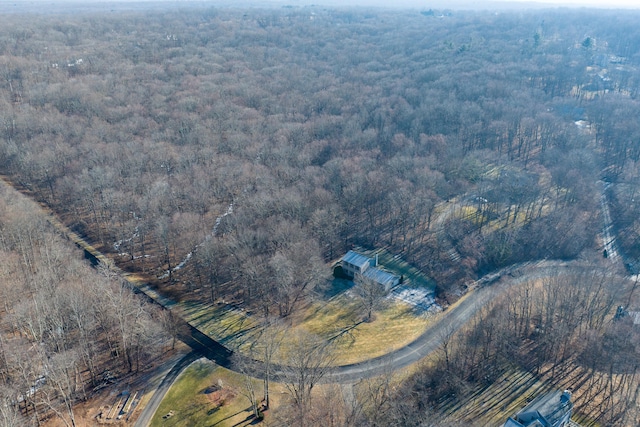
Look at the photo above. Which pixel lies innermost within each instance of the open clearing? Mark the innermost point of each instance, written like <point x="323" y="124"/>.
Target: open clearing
<point x="395" y="325"/>
<point x="207" y="395"/>
<point x="404" y="316"/>
<point x="232" y="327"/>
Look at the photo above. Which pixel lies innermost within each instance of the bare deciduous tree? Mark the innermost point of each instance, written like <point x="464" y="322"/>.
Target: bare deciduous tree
<point x="247" y="367"/>
<point x="307" y="360"/>
<point x="369" y="294"/>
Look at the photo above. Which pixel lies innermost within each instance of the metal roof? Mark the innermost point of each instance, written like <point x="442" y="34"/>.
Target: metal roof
<point x="379" y="276"/>
<point x="356" y="259"/>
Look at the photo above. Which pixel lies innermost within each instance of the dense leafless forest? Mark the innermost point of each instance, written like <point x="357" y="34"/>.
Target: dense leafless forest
<point x="320" y="129"/>
<point x="231" y="153"/>
<point x="66" y="329"/>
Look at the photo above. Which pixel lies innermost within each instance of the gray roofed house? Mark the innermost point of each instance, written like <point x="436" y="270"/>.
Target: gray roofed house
<point x="549" y="410"/>
<point x="354" y="264"/>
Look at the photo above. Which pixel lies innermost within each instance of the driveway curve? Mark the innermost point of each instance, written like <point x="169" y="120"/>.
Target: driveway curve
<point x="457" y="317"/>
<point x="487" y="288"/>
<point x="152" y="406"/>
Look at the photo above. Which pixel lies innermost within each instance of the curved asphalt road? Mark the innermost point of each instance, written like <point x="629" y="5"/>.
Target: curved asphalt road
<point x="487" y="288"/>
<point x="424" y="345"/>
<point x="152" y="406"/>
<point x="428" y="342"/>
<point x="453" y="320"/>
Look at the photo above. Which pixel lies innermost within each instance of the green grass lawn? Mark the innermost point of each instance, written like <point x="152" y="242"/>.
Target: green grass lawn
<point x="393" y="326"/>
<point x="205" y="395"/>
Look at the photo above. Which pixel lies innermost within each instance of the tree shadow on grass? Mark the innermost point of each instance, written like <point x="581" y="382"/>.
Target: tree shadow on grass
<point x="206" y="313"/>
<point x="190" y="413"/>
<point x="249" y="421"/>
<point x="201" y="369"/>
<point x="221" y="422"/>
<point x="239" y="338"/>
<point x="335" y="287"/>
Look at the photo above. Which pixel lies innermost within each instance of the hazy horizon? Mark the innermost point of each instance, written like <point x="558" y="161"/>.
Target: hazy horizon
<point x="473" y="4"/>
<point x="398" y="4"/>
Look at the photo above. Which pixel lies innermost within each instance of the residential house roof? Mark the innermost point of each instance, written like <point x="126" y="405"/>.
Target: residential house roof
<point x="549" y="410"/>
<point x="356" y="259"/>
<point x="380" y="276"/>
